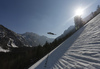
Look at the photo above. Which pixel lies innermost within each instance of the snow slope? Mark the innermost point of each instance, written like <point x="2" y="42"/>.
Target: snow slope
<point x="80" y="51"/>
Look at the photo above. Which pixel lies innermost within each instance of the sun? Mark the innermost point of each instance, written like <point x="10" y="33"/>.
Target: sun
<point x="79" y="12"/>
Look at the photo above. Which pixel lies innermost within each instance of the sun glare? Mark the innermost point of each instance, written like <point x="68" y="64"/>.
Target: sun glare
<point x="79" y="12"/>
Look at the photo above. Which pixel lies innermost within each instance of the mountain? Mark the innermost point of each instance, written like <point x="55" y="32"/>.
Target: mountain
<point x="34" y="39"/>
<point x="70" y="29"/>
<point x="80" y="51"/>
<point x="9" y="38"/>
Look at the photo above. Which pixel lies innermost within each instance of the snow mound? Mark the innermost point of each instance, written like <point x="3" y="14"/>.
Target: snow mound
<point x="80" y="51"/>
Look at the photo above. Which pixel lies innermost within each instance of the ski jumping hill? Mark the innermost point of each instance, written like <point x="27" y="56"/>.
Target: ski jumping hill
<point x="80" y="51"/>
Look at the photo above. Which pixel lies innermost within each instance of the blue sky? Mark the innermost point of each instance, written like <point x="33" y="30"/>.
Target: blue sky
<point x="42" y="16"/>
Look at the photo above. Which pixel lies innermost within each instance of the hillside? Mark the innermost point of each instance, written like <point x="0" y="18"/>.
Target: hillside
<point x="10" y="39"/>
<point x="70" y="29"/>
<point x="80" y="51"/>
<point x="34" y="39"/>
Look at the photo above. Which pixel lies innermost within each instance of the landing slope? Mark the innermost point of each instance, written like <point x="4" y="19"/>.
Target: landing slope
<point x="80" y="51"/>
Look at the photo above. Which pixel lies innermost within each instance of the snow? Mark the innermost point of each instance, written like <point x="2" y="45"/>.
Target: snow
<point x="3" y="50"/>
<point x="80" y="51"/>
<point x="11" y="43"/>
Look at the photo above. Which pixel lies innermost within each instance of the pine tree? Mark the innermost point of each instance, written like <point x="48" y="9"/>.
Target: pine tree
<point x="78" y="22"/>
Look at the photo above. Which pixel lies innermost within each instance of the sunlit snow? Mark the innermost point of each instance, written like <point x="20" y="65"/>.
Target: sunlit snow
<point x="80" y="51"/>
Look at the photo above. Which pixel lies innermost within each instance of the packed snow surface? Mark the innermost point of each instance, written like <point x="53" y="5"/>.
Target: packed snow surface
<point x="80" y="51"/>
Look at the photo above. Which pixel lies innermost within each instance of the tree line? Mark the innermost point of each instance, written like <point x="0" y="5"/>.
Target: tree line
<point x="24" y="57"/>
<point x="79" y="22"/>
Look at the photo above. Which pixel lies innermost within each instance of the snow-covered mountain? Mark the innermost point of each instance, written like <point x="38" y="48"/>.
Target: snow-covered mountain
<point x="34" y="39"/>
<point x="80" y="51"/>
<point x="70" y="29"/>
<point x="9" y="38"/>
